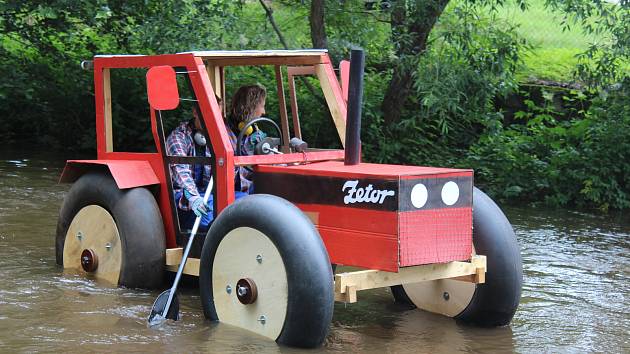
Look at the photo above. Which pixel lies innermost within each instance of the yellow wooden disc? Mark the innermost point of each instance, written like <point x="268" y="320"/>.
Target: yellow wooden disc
<point x="94" y="228"/>
<point x="431" y="295"/>
<point x="247" y="253"/>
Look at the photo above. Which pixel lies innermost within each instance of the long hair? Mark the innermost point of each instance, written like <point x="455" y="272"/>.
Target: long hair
<point x="244" y="102"/>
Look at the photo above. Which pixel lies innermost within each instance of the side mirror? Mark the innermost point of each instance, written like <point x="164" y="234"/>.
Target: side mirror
<point x="162" y="88"/>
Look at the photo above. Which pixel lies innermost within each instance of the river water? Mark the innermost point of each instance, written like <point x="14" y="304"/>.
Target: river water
<point x="575" y="296"/>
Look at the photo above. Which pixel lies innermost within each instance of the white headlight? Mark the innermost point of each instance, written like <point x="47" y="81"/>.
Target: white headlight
<point x="419" y="195"/>
<point x="450" y="193"/>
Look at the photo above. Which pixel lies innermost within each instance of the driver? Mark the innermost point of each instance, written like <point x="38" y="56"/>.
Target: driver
<point x="247" y="103"/>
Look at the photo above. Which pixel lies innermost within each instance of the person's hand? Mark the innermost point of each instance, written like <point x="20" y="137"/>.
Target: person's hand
<point x="197" y="205"/>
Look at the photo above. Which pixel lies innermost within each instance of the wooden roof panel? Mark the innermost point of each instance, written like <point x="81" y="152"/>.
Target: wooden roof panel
<point x="220" y="54"/>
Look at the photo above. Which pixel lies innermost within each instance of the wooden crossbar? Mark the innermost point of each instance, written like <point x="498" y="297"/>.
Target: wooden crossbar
<point x="347" y="284"/>
<point x="174" y="258"/>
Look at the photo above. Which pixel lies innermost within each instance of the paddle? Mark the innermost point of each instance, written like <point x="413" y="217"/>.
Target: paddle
<point x="167" y="305"/>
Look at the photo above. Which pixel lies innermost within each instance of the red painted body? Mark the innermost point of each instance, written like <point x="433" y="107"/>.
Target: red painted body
<point x="386" y="235"/>
<point x="380" y="239"/>
<point x="127" y="174"/>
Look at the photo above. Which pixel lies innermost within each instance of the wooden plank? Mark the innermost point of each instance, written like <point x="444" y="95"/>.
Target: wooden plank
<point x="297" y="131"/>
<point x="334" y="99"/>
<point x="174" y="255"/>
<point x="174" y="258"/>
<point x="304" y="60"/>
<point x="300" y="70"/>
<point x="348" y="296"/>
<point x="371" y="279"/>
<point x="107" y="111"/>
<point x="293" y="71"/>
<point x="223" y="96"/>
<point x="214" y="74"/>
<point x="282" y="106"/>
<point x="258" y="53"/>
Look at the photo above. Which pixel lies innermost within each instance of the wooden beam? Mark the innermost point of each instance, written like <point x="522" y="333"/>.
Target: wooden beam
<point x="107" y="111"/>
<point x="174" y="258"/>
<point x="300" y="70"/>
<point x="293" y="71"/>
<point x="223" y="96"/>
<point x="312" y="60"/>
<point x="282" y="106"/>
<point x="297" y="131"/>
<point x="347" y="284"/>
<point x="214" y="74"/>
<point x="334" y="99"/>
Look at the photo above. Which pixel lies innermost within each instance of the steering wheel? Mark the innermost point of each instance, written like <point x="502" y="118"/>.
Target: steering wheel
<point x="239" y="140"/>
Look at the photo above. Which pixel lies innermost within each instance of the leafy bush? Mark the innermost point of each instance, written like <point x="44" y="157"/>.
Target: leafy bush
<point x="584" y="161"/>
<point x="469" y="64"/>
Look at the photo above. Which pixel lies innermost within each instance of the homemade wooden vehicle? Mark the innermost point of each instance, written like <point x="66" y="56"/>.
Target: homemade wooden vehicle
<point x="265" y="264"/>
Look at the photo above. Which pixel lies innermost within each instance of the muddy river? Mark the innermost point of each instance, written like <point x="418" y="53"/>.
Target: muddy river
<point x="576" y="292"/>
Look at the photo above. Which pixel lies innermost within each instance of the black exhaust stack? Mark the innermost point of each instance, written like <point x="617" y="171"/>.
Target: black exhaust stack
<point x="355" y="100"/>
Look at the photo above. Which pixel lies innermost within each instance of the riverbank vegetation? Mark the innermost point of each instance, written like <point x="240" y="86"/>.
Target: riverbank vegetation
<point x="452" y="83"/>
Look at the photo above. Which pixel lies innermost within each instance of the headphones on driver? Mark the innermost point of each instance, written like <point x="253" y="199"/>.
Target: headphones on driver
<point x="199" y="138"/>
<point x="249" y="131"/>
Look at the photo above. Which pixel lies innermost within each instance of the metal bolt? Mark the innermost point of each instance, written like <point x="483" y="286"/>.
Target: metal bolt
<point x="221" y="162"/>
<point x="228" y="289"/>
<point x="446" y="296"/>
<point x="80" y="235"/>
<point x="108" y="246"/>
<point x="241" y="290"/>
<point x="259" y="258"/>
<point x="262" y="319"/>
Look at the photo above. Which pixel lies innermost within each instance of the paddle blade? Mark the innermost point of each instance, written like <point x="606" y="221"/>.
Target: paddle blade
<point x="158" y="315"/>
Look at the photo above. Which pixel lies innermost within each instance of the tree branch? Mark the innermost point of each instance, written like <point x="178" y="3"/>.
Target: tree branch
<point x="269" y="13"/>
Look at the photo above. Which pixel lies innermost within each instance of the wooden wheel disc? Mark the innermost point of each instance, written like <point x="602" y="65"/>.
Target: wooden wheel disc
<point x="93" y="228"/>
<point x="444" y="296"/>
<point x="247" y="253"/>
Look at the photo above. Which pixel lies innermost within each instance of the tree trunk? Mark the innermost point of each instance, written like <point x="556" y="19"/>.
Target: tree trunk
<point x="318" y="25"/>
<point x="411" y="24"/>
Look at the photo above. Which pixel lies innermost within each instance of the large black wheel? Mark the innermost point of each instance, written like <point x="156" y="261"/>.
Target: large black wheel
<point x="492" y="303"/>
<point x="264" y="268"/>
<point x="112" y="235"/>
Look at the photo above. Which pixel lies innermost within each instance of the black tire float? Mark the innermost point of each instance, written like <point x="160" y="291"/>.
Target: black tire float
<point x="264" y="268"/>
<point x="111" y="234"/>
<point x="492" y="303"/>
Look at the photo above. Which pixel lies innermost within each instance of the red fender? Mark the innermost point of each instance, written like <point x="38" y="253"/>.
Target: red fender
<point x="126" y="173"/>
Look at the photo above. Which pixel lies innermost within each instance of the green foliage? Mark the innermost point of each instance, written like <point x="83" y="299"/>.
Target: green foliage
<point x="474" y="55"/>
<point x="605" y="61"/>
<point x="471" y="61"/>
<point x="581" y="161"/>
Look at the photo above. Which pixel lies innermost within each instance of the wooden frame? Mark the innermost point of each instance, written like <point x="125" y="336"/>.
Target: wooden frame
<point x="292" y="72"/>
<point x="349" y="283"/>
<point x="282" y="107"/>
<point x="334" y="98"/>
<point x="107" y="111"/>
<point x="174" y="258"/>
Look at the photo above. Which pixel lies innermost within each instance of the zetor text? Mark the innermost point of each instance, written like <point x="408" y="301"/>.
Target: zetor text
<point x="367" y="194"/>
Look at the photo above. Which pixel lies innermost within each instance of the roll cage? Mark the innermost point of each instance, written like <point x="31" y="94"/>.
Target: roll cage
<point x="205" y="73"/>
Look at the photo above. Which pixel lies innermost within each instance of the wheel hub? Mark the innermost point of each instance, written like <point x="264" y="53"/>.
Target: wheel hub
<point x="89" y="260"/>
<point x="246" y="291"/>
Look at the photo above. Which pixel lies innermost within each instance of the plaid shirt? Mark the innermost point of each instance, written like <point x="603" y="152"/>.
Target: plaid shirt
<point x="180" y="143"/>
<point x="249" y="144"/>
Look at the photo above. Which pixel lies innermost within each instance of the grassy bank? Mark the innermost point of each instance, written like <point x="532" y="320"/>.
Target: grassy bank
<point x="554" y="48"/>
